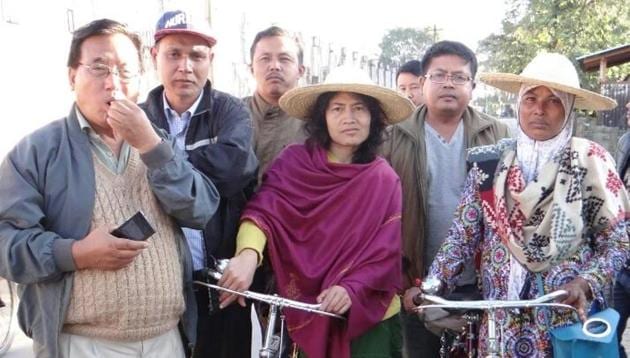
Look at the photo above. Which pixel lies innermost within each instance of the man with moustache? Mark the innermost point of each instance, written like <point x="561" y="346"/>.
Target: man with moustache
<point x="214" y="128"/>
<point x="276" y="64"/>
<point x="63" y="189"/>
<point x="425" y="150"/>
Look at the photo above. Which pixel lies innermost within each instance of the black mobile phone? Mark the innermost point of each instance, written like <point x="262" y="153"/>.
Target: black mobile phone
<point x="136" y="228"/>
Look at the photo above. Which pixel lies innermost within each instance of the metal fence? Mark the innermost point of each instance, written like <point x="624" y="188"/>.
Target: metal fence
<point x="620" y="91"/>
<point x="608" y="126"/>
<point x="320" y="58"/>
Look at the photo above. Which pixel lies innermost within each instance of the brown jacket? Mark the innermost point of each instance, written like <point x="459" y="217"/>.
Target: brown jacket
<point x="273" y="130"/>
<point x="405" y="149"/>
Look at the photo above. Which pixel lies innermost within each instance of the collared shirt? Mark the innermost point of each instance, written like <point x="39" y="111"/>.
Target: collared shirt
<point x="102" y="151"/>
<point x="178" y="126"/>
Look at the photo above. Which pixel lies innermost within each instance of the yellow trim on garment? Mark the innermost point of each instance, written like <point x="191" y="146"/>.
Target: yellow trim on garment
<point x="393" y="309"/>
<point x="251" y="237"/>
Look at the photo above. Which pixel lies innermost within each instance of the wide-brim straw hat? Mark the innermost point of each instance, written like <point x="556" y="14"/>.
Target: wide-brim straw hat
<point x="299" y="102"/>
<point x="555" y="71"/>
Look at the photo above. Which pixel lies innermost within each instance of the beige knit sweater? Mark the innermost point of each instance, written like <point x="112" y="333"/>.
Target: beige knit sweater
<point x="144" y="299"/>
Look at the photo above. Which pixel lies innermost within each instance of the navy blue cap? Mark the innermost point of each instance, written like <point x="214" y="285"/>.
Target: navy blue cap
<point x="178" y="22"/>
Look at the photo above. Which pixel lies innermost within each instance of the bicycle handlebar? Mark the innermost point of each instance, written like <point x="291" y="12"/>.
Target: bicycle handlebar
<point x="275" y="300"/>
<point x="439" y="302"/>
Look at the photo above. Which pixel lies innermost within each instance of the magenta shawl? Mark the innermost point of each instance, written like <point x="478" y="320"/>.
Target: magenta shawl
<point x="331" y="224"/>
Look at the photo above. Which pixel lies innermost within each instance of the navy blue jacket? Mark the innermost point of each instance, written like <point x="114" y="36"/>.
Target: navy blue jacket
<point x="218" y="143"/>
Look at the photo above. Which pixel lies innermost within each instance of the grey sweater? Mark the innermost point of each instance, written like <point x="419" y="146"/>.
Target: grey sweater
<point x="47" y="191"/>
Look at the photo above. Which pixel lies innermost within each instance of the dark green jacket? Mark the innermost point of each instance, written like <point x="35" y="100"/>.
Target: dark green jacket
<point x="406" y="151"/>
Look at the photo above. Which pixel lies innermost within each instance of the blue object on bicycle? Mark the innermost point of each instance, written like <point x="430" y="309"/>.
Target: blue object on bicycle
<point x="596" y="338"/>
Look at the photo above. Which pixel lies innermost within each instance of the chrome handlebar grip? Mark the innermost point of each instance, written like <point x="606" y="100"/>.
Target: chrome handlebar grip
<point x="217" y="269"/>
<point x="432" y="286"/>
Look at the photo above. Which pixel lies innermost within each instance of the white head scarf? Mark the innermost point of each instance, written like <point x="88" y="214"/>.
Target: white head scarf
<point x="533" y="154"/>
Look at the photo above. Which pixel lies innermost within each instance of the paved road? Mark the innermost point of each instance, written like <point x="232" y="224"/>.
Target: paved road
<point x="22" y="345"/>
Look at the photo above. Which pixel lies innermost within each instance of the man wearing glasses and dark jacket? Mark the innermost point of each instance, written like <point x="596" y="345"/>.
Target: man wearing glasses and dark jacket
<point x="424" y="150"/>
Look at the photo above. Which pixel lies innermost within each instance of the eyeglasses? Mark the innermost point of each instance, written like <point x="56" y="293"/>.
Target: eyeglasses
<point x="101" y="70"/>
<point x="441" y="78"/>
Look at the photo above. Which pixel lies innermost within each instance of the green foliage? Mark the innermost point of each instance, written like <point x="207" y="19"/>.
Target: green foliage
<point x="571" y="27"/>
<point x="400" y="45"/>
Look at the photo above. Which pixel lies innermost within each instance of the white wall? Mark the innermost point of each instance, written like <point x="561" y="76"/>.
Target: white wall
<point x="35" y="39"/>
<point x="34" y="85"/>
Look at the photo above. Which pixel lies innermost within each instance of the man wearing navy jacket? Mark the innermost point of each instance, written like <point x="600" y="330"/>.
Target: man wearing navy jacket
<point x="215" y="130"/>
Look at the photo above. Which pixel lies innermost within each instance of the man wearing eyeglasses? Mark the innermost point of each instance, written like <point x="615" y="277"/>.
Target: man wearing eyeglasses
<point x="64" y="188"/>
<point x="428" y="151"/>
<point x="215" y="130"/>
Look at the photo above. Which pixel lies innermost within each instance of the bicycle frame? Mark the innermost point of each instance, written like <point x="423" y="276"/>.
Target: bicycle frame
<point x="491" y="306"/>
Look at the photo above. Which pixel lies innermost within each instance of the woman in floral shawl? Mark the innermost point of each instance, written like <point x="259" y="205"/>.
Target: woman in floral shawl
<point x="545" y="207"/>
<point x="329" y="213"/>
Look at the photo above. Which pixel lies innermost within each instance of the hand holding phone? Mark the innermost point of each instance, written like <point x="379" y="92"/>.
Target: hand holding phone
<point x="136" y="228"/>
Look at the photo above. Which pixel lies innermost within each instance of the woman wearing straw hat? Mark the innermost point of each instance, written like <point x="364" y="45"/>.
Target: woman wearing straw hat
<point x="329" y="212"/>
<point x="541" y="212"/>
